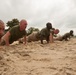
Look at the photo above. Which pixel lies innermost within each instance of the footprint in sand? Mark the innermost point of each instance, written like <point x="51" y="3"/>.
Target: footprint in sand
<point x="67" y="71"/>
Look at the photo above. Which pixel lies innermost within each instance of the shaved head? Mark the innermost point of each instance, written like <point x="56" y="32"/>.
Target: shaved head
<point x="23" y="24"/>
<point x="56" y="31"/>
<point x="1" y="24"/>
<point x="2" y="28"/>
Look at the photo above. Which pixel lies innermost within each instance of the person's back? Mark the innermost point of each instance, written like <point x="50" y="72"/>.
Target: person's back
<point x="65" y="36"/>
<point x="41" y="35"/>
<point x="33" y="37"/>
<point x="45" y="33"/>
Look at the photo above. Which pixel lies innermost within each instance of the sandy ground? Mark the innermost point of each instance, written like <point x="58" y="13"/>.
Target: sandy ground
<point x="58" y="58"/>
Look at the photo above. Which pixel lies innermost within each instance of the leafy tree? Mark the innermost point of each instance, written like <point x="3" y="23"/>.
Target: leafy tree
<point x="12" y="23"/>
<point x="32" y="29"/>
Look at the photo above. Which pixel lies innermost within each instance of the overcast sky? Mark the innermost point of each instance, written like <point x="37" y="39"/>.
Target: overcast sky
<point x="61" y="13"/>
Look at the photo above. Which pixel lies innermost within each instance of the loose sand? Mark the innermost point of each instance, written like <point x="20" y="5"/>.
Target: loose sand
<point x="58" y="58"/>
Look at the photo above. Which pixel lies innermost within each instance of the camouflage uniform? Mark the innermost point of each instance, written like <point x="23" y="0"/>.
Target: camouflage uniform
<point x="44" y="34"/>
<point x="33" y="37"/>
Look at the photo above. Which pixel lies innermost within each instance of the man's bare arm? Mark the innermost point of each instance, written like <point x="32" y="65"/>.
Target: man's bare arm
<point x="25" y="39"/>
<point x="6" y="38"/>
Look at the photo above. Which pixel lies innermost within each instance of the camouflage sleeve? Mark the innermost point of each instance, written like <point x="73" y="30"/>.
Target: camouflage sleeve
<point x="43" y="31"/>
